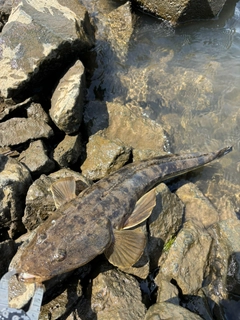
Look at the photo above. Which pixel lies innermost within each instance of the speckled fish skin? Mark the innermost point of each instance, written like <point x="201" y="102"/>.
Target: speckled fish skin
<point x="83" y="228"/>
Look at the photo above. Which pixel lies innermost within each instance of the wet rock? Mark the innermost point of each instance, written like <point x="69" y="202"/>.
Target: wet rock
<point x="223" y="281"/>
<point x="164" y="222"/>
<point x="39" y="200"/>
<point x="35" y="158"/>
<point x="114" y="115"/>
<point x="104" y="156"/>
<point x="119" y="27"/>
<point x="7" y="250"/>
<point x="67" y="100"/>
<point x="5" y="10"/>
<point x="182" y="263"/>
<point x="15" y="180"/>
<point x="24" y="129"/>
<point x="165" y="310"/>
<point x="197" y="207"/>
<point x="68" y="151"/>
<point x="32" y="39"/>
<point x="178" y="11"/>
<point x="115" y="295"/>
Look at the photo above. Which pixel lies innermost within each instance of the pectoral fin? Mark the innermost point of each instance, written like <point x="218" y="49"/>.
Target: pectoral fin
<point x="142" y="210"/>
<point x="126" y="248"/>
<point x="63" y="190"/>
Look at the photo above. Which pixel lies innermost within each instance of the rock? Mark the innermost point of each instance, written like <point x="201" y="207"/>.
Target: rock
<point x="178" y="11"/>
<point x="8" y="106"/>
<point x="182" y="262"/>
<point x="7" y="250"/>
<point x="68" y="151"/>
<point x="36" y="159"/>
<point x="197" y="207"/>
<point x="35" y="45"/>
<point x="223" y="279"/>
<point x="115" y="295"/>
<point x="64" y="302"/>
<point x="67" y="100"/>
<point x="24" y="129"/>
<point x="167" y="292"/>
<point x="39" y="200"/>
<point x="166" y="310"/>
<point x="5" y="10"/>
<point x="104" y="156"/>
<point x="119" y="28"/>
<point x="164" y="222"/>
<point x="15" y="180"/>
<point x="114" y="115"/>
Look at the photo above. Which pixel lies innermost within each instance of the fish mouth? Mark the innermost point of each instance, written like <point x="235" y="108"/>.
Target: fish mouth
<point x="28" y="277"/>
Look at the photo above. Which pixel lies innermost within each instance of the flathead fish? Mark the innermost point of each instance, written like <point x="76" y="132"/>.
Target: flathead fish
<point x="98" y="219"/>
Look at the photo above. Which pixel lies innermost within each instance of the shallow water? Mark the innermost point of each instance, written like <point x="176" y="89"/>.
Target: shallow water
<point x="188" y="80"/>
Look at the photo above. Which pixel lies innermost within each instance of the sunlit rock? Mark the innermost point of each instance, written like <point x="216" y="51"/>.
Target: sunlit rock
<point x="67" y="100"/>
<point x="40" y="38"/>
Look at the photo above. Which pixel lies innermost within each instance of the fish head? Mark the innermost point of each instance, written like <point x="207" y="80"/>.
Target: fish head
<point x="63" y="244"/>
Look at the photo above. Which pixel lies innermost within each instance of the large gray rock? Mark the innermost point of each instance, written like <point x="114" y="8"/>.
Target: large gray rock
<point x="39" y="38"/>
<point x="67" y="100"/>
<point x="36" y="159"/>
<point x="177" y="11"/>
<point x="15" y="180"/>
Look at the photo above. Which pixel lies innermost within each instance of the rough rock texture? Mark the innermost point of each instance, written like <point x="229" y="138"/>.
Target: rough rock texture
<point x="39" y="200"/>
<point x="182" y="261"/>
<point x="15" y="180"/>
<point x="164" y="222"/>
<point x="36" y="159"/>
<point x="177" y="11"/>
<point x="119" y="27"/>
<point x="114" y="115"/>
<point x="32" y="39"/>
<point x="197" y="206"/>
<point x="24" y="130"/>
<point x="7" y="250"/>
<point x="103" y="157"/>
<point x="68" y="150"/>
<point x="114" y="296"/>
<point x="167" y="310"/>
<point x="67" y="100"/>
<point x="5" y="10"/>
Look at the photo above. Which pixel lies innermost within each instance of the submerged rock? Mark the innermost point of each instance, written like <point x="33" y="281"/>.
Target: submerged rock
<point x="177" y="11"/>
<point x="67" y="100"/>
<point x="104" y="156"/>
<point x="35" y="34"/>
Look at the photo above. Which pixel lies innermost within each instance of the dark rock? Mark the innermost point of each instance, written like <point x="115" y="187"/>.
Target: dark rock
<point x="177" y="11"/>
<point x="7" y="250"/>
<point x="15" y="180"/>
<point x="68" y="151"/>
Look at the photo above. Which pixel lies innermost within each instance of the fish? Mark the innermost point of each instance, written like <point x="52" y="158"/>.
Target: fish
<point x="100" y="219"/>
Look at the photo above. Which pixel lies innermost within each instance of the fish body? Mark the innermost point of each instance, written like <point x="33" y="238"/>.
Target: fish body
<point x="98" y="219"/>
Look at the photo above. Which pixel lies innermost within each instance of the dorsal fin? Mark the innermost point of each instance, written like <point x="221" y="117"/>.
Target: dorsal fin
<point x="63" y="190"/>
<point x="142" y="210"/>
<point x="126" y="248"/>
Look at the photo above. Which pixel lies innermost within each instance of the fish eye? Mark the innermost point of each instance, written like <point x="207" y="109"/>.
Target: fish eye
<point x="59" y="255"/>
<point x="41" y="238"/>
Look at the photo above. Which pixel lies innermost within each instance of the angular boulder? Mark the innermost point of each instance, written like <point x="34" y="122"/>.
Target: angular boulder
<point x="38" y="40"/>
<point x="177" y="11"/>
